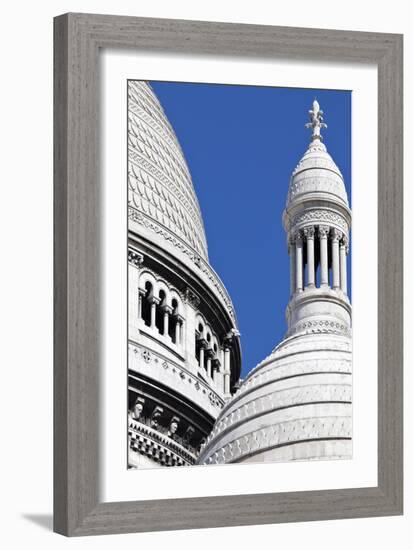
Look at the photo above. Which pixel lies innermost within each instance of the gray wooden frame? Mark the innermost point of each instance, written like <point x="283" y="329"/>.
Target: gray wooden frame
<point x="78" y="39"/>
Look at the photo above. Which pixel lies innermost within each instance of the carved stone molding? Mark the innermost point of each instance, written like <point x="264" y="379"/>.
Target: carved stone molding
<point x="319" y="326"/>
<point x="284" y="433"/>
<point x="158" y="447"/>
<point x="265" y="404"/>
<point x="153" y="359"/>
<point x="192" y="299"/>
<point x="318" y="216"/>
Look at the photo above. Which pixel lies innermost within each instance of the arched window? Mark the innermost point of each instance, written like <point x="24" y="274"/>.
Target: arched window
<point x="146" y="306"/>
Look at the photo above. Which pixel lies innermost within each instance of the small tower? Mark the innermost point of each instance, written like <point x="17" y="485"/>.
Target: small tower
<point x="297" y="403"/>
<point x="317" y="220"/>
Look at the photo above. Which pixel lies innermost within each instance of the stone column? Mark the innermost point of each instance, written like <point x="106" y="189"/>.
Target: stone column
<point x="292" y="264"/>
<point x="227" y="370"/>
<point x="336" y="236"/>
<point x="299" y="262"/>
<point x="343" y="264"/>
<point x="208" y="365"/>
<point x="202" y="357"/>
<point x="165" y="322"/>
<point x="309" y="234"/>
<point x="142" y="293"/>
<point x="187" y="334"/>
<point x="178" y="332"/>
<point x="323" y="233"/>
<point x="154" y="302"/>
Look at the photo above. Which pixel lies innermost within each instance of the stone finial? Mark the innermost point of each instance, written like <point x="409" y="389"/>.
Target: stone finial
<point x="316" y="121"/>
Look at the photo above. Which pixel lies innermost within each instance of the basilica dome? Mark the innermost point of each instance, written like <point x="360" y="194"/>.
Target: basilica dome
<point x="184" y="354"/>
<point x="161" y="195"/>
<point x="295" y="405"/>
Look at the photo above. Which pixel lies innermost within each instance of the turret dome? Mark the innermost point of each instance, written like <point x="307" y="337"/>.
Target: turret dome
<point x="316" y="175"/>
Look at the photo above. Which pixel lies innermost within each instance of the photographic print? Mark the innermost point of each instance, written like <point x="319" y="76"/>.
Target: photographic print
<point x="239" y="274"/>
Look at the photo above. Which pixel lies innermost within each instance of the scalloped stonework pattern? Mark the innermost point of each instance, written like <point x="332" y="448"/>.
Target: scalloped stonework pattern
<point x="284" y="433"/>
<point x="159" y="183"/>
<point x="316" y="172"/>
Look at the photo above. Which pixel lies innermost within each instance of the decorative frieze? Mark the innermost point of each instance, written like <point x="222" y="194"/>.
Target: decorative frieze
<point x="157" y="446"/>
<point x="280" y="400"/>
<point x="319" y="216"/>
<point x="153" y="359"/>
<point x="282" y="434"/>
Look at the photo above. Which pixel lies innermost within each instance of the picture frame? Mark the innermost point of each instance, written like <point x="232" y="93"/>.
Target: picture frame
<point x="78" y="40"/>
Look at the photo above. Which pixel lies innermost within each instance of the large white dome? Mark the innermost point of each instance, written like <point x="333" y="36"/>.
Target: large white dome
<point x="295" y="405"/>
<point x="160" y="193"/>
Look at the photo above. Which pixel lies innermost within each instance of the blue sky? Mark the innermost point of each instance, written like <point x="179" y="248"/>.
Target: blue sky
<point x="241" y="144"/>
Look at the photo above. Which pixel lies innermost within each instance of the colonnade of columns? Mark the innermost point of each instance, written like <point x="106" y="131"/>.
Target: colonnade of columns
<point x="167" y="313"/>
<point x="307" y="238"/>
<point x="218" y="369"/>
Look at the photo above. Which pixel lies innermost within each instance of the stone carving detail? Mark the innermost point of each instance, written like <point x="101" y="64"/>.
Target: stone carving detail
<point x="329" y="185"/>
<point x="159" y="447"/>
<point x="159" y="180"/>
<point x="323" y="230"/>
<point x="185" y="376"/>
<point x="303" y="395"/>
<point x="317" y="326"/>
<point x="298" y="237"/>
<point x="135" y="258"/>
<point x="156" y="416"/>
<point x="138" y="408"/>
<point x="173" y="426"/>
<point x="284" y="433"/>
<point x="192" y="299"/>
<point x="309" y="232"/>
<point x="336" y="235"/>
<point x="316" y="121"/>
<point x="320" y="216"/>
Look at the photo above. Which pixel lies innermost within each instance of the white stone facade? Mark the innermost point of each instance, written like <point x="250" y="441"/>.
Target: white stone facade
<point x="184" y="354"/>
<point x="297" y="403"/>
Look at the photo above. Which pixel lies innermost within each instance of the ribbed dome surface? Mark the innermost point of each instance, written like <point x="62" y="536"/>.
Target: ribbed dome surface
<point x="316" y="173"/>
<point x="295" y="405"/>
<point x="159" y="183"/>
